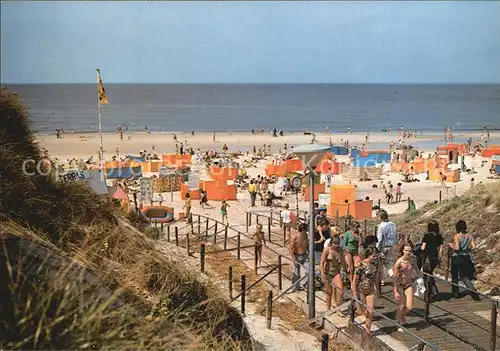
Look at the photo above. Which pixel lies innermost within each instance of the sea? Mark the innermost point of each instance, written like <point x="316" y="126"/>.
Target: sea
<point x="243" y="107"/>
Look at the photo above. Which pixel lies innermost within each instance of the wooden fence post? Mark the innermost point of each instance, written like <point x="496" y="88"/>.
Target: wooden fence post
<point x="256" y="259"/>
<point x="135" y="204"/>
<point x="440" y="196"/>
<point x="366" y="232"/>
<point x="206" y="231"/>
<point x="225" y="238"/>
<point x="187" y="243"/>
<point x="176" y="236"/>
<point x="246" y="222"/>
<point x="215" y="232"/>
<point x="168" y="233"/>
<point x="249" y="219"/>
<point x="324" y="342"/>
<point x="202" y="258"/>
<point x="280" y="279"/>
<point x="337" y="217"/>
<point x="238" y="244"/>
<point x="493" y="329"/>
<point x="230" y="282"/>
<point x="161" y="228"/>
<point x="409" y="203"/>
<point x="199" y="226"/>
<point x="243" y="293"/>
<point x="284" y="234"/>
<point x="269" y="227"/>
<point x="256" y="219"/>
<point x="269" y="311"/>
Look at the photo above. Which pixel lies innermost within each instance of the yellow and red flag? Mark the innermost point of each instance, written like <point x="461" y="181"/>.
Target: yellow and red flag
<point x="103" y="99"/>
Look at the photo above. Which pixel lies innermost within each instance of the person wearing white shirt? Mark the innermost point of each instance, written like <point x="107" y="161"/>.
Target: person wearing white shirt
<point x="286" y="216"/>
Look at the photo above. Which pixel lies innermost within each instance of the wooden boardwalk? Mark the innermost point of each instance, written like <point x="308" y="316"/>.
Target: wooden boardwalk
<point x="454" y="324"/>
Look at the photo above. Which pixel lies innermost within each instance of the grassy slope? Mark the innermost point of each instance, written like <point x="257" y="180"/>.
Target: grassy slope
<point x="480" y="208"/>
<point x="123" y="293"/>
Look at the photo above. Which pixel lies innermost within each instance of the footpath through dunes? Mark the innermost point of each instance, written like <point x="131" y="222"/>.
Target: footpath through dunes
<point x="445" y="324"/>
<point x="76" y="274"/>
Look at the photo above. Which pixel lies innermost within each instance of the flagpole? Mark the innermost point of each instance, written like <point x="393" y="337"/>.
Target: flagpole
<point x="101" y="151"/>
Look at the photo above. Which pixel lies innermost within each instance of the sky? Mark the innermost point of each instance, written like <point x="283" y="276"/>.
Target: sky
<point x="251" y="42"/>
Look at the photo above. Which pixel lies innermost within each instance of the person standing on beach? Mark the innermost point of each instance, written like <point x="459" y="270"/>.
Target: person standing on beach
<point x="286" y="216"/>
<point x="203" y="198"/>
<point x="187" y="206"/>
<point x="181" y="149"/>
<point x="213" y="138"/>
<point x="259" y="239"/>
<point x="223" y="212"/>
<point x="252" y="189"/>
<point x="399" y="194"/>
<point x="443" y="180"/>
<point x="160" y="199"/>
<point x="298" y="254"/>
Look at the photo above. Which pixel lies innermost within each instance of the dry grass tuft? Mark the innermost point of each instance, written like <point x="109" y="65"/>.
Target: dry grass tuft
<point x="77" y="275"/>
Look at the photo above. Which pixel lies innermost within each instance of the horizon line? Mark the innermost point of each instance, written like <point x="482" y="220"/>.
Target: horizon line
<point x="251" y="83"/>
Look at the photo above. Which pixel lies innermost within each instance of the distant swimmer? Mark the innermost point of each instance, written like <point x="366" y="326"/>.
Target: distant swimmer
<point x="459" y="125"/>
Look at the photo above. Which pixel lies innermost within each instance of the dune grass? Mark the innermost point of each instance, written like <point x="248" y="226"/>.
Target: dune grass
<point x="75" y="274"/>
<point x="480" y="208"/>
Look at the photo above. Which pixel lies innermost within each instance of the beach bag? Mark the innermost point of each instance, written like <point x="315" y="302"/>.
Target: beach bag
<point x="419" y="287"/>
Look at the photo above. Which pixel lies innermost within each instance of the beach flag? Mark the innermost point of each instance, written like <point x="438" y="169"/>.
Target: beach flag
<point x="103" y="99"/>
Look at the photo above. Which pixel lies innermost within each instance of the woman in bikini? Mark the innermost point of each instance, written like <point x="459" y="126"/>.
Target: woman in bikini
<point x="366" y="282"/>
<point x="331" y="265"/>
<point x="406" y="271"/>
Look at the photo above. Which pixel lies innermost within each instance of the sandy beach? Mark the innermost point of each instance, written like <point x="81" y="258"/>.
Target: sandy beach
<point x="82" y="145"/>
